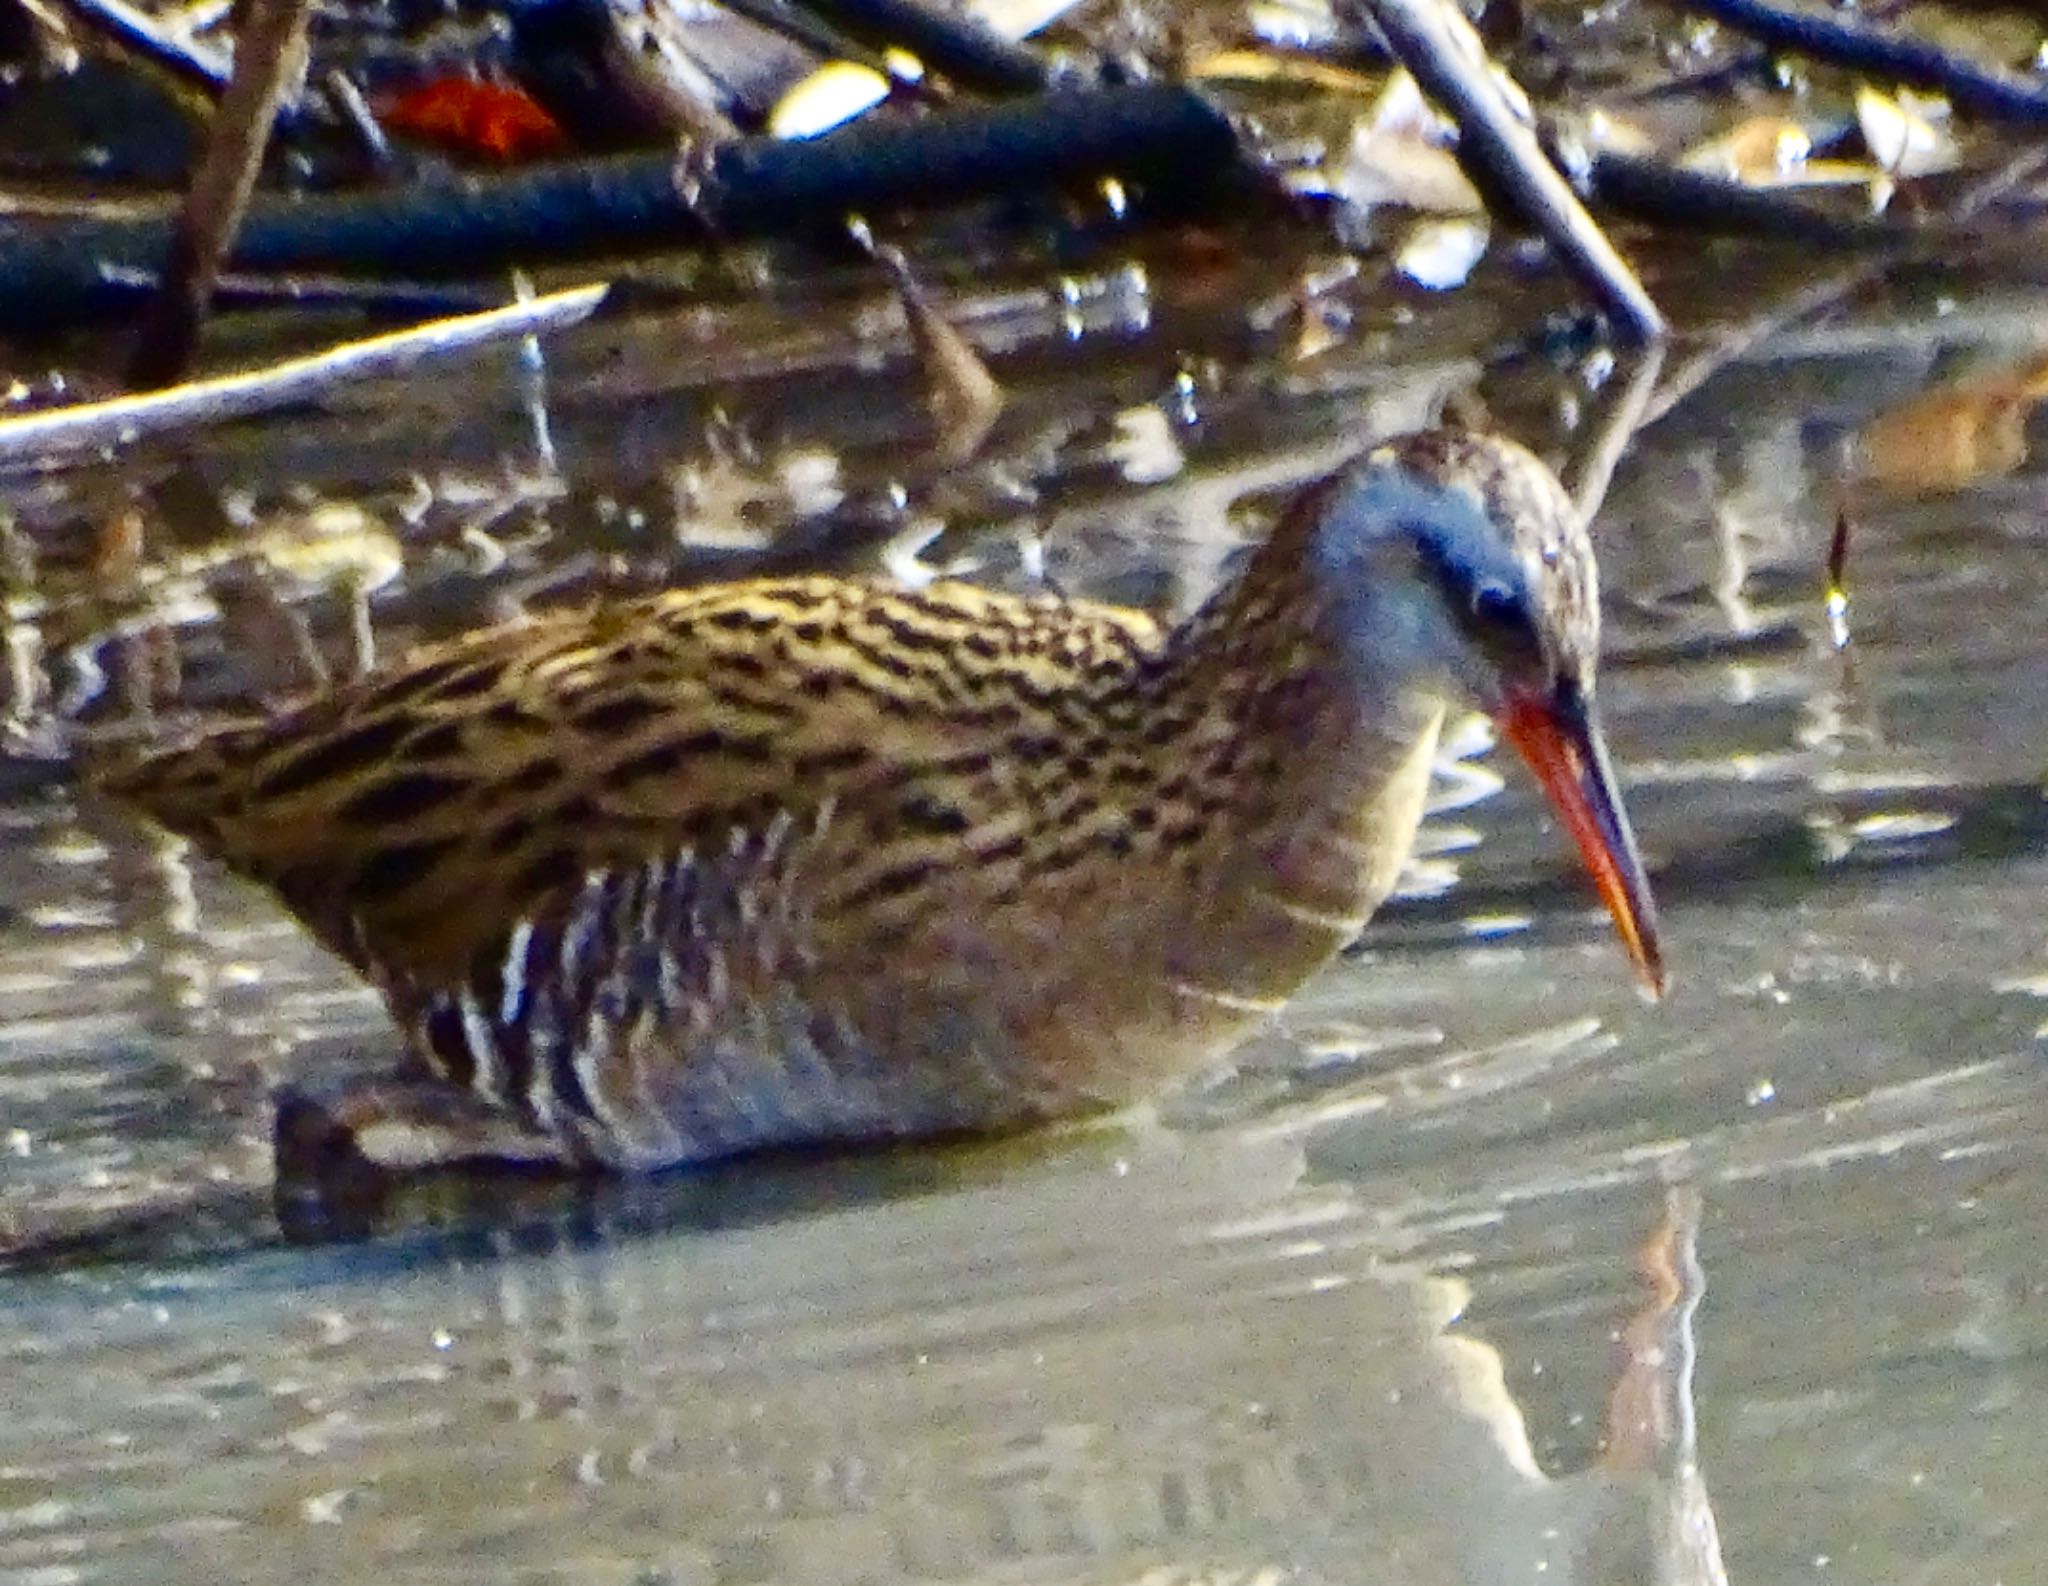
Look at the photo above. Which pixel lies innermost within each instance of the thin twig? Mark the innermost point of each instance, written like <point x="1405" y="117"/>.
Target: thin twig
<point x="811" y="32"/>
<point x="533" y="383"/>
<point x="1443" y="53"/>
<point x="964" y="398"/>
<point x="1730" y="345"/>
<point x="1835" y="598"/>
<point x="959" y="46"/>
<point x="359" y="118"/>
<point x="127" y="28"/>
<point x="270" y="56"/>
<point x="35" y="436"/>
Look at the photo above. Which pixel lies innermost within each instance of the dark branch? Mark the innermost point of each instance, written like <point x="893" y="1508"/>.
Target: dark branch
<point x="1156" y="139"/>
<point x="1982" y="90"/>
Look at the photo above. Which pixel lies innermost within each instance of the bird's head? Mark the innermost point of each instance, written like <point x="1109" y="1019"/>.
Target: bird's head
<point x="1455" y="564"/>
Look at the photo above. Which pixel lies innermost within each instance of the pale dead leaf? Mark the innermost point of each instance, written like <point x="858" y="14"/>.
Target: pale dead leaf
<point x="1440" y="254"/>
<point x="839" y="90"/>
<point x="1907" y="135"/>
<point x="1603" y="130"/>
<point x="833" y="94"/>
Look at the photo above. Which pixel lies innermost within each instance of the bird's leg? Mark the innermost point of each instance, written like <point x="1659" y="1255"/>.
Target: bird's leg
<point x="356" y="1139"/>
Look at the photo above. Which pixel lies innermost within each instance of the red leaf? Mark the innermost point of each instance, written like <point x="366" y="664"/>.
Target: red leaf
<point x="483" y="120"/>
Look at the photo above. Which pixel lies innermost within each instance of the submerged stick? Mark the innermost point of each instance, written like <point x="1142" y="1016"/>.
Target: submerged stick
<point x="1672" y="198"/>
<point x="34" y="436"/>
<point x="270" y="54"/>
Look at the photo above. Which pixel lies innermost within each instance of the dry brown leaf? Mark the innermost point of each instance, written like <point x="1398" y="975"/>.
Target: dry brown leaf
<point x="1951" y="437"/>
<point x="1771" y="151"/>
<point x="1759" y="152"/>
<point x="963" y="396"/>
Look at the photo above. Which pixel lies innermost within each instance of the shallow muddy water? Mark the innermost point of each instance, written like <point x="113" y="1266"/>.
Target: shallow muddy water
<point x="1479" y="1269"/>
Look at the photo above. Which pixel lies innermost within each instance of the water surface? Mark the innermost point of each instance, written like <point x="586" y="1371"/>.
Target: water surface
<point x="1479" y="1269"/>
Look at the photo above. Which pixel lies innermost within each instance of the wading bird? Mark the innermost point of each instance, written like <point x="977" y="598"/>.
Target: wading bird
<point x="811" y="860"/>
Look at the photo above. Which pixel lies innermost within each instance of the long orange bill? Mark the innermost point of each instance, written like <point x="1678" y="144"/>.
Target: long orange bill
<point x="1559" y="738"/>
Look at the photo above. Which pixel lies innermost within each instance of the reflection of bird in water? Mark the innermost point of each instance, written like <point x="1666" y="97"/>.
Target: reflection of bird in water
<point x="808" y="859"/>
<point x="1125" y="1361"/>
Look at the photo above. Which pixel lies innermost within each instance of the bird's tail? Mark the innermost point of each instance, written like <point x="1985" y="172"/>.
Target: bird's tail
<point x="37" y="757"/>
<point x="181" y="787"/>
<point x="184" y="788"/>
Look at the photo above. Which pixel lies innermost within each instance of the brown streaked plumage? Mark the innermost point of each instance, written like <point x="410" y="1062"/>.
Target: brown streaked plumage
<point x="810" y="859"/>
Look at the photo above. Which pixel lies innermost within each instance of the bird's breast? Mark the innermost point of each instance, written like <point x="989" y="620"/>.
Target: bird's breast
<point x="1320" y="857"/>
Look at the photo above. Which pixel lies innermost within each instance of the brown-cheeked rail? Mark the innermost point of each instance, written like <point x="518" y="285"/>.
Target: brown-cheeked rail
<point x="810" y="860"/>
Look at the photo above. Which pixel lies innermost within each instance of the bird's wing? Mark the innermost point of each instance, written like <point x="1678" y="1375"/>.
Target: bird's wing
<point x="416" y="818"/>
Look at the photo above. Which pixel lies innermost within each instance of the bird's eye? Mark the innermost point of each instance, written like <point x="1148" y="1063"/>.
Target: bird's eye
<point x="1495" y="605"/>
<point x="1501" y="618"/>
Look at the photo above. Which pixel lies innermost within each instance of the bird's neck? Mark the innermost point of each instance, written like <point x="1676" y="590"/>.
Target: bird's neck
<point x="1282" y="659"/>
<point x="1319" y="760"/>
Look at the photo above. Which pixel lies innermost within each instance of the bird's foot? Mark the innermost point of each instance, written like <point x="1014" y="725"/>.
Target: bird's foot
<point x="340" y="1153"/>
